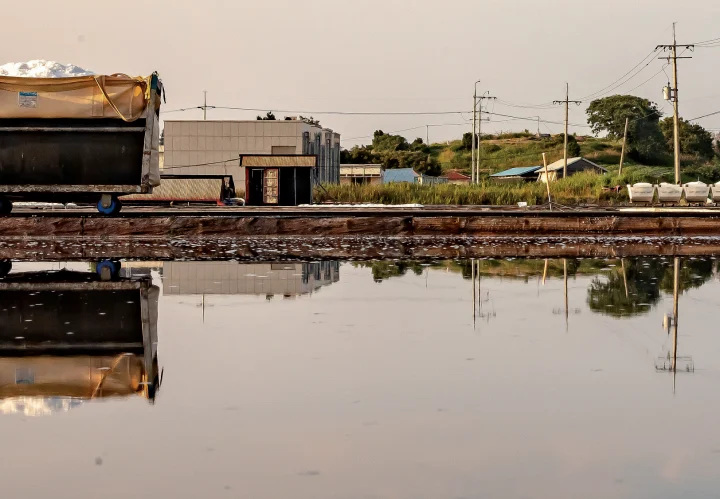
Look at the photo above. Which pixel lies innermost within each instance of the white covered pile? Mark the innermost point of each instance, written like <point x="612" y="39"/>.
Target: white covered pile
<point x="42" y="69"/>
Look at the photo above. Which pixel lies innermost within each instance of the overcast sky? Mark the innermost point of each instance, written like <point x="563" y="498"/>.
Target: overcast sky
<point x="377" y="55"/>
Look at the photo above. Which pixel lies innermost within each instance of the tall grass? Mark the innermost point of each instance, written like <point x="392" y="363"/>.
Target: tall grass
<point x="582" y="188"/>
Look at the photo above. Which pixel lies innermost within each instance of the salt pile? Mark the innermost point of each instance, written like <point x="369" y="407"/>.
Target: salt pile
<point x="42" y="69"/>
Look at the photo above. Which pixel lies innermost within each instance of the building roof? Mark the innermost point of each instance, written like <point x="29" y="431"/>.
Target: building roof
<point x="560" y="164"/>
<point x="276" y="161"/>
<point x="360" y="170"/>
<point x="400" y="175"/>
<point x="456" y="175"/>
<point x="517" y="171"/>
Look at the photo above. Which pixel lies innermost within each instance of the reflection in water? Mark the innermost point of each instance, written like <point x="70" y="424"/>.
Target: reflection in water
<point x="232" y="278"/>
<point x="369" y="390"/>
<point x="68" y="336"/>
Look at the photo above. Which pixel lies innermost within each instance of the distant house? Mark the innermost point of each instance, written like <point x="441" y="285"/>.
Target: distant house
<point x="574" y="165"/>
<point x="410" y="176"/>
<point x="401" y="175"/>
<point x="521" y="173"/>
<point x="361" y="174"/>
<point x="455" y="177"/>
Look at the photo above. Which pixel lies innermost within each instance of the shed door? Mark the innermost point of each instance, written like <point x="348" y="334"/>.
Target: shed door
<point x="270" y="186"/>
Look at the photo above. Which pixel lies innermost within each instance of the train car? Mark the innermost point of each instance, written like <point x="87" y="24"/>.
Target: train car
<point x="81" y="139"/>
<point x="70" y="336"/>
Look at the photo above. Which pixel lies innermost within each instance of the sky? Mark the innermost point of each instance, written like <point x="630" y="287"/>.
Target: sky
<point x="380" y="56"/>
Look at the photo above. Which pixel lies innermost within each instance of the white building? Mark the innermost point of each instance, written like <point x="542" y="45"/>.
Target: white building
<point x="214" y="147"/>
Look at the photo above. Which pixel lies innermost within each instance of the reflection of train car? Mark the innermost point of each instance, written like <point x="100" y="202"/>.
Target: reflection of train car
<point x="68" y="336"/>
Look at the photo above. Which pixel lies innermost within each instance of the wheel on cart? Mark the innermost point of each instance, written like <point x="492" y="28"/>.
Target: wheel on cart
<point x="5" y="267"/>
<point x="109" y="205"/>
<point x="6" y="205"/>
<point x="108" y="270"/>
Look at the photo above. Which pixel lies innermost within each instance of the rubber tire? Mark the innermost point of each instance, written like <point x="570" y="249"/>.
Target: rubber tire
<point x="6" y="206"/>
<point x="5" y="267"/>
<point x="113" y="209"/>
<point x="108" y="270"/>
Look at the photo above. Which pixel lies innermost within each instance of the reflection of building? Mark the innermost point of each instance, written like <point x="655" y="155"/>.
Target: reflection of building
<point x="68" y="337"/>
<point x="231" y="278"/>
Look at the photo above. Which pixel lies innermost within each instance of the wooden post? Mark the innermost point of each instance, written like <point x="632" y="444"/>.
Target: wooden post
<point x="622" y="154"/>
<point x="545" y="271"/>
<point x="547" y="180"/>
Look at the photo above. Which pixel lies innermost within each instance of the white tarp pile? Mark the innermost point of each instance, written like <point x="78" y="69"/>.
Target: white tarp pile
<point x="42" y="69"/>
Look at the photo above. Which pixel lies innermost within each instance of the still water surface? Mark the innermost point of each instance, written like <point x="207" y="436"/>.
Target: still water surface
<point x="362" y="380"/>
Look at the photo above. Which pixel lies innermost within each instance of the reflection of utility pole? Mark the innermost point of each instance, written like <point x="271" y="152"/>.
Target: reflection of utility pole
<point x="676" y="292"/>
<point x="567" y="312"/>
<point x="622" y="262"/>
<point x="472" y="265"/>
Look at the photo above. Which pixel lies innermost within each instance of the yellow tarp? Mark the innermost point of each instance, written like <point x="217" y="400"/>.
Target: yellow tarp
<point x="116" y="96"/>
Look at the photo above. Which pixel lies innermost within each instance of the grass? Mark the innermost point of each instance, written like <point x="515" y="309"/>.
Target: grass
<point x="583" y="188"/>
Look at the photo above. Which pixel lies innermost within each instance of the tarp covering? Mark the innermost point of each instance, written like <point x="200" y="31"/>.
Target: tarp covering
<point x="116" y="96"/>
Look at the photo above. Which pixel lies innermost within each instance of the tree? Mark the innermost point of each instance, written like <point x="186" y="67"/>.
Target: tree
<point x="162" y="137"/>
<point x="573" y="147"/>
<point x="645" y="139"/>
<point x="310" y="120"/>
<point x="268" y="117"/>
<point x="694" y="139"/>
<point x="358" y="155"/>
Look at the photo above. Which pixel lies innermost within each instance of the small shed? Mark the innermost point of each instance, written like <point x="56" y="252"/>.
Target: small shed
<point x="521" y="173"/>
<point x="280" y="180"/>
<point x="361" y="174"/>
<point x="455" y="177"/>
<point x="402" y="175"/>
<point x="574" y="165"/>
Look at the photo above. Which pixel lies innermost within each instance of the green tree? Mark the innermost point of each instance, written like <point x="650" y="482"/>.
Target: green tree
<point x="694" y="139"/>
<point x="268" y="117"/>
<point x="358" y="155"/>
<point x="573" y="147"/>
<point x="645" y="139"/>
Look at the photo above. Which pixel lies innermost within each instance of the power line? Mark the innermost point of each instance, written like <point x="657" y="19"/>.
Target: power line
<point x="704" y="116"/>
<point x="644" y="59"/>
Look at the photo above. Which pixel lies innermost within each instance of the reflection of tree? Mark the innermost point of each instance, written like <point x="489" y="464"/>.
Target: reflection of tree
<point x="646" y="278"/>
<point x="382" y="271"/>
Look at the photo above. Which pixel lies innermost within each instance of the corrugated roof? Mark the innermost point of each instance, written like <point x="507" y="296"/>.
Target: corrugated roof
<point x="267" y="160"/>
<point x="517" y="171"/>
<point x="456" y="175"/>
<point x="400" y="175"/>
<point x="560" y="164"/>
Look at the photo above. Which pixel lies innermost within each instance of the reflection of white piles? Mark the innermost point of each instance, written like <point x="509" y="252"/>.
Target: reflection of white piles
<point x="232" y="278"/>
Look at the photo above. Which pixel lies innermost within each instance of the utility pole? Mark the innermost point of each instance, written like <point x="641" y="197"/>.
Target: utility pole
<point x="427" y="135"/>
<point x="205" y="106"/>
<point x="567" y="103"/>
<point x="622" y="154"/>
<point x="673" y="95"/>
<point x="477" y="156"/>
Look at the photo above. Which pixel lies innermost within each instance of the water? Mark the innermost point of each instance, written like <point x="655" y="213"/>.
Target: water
<point x="362" y="380"/>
